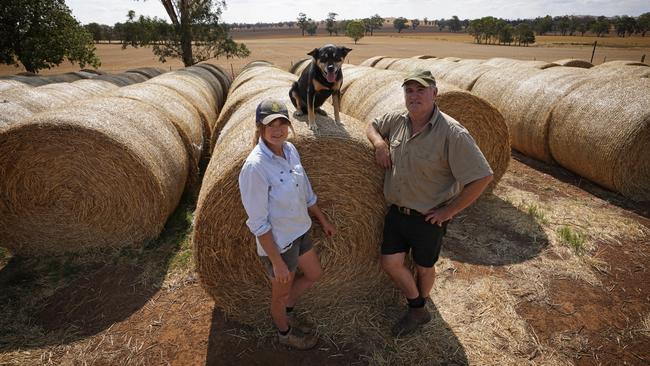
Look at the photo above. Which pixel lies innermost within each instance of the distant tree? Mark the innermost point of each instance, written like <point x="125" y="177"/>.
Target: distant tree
<point x="426" y="21"/>
<point x="95" y="30"/>
<point x="342" y="26"/>
<point x="625" y="25"/>
<point x="43" y="33"/>
<point x="475" y="29"/>
<point x="400" y="24"/>
<point x="582" y="26"/>
<point x="194" y="35"/>
<point x="543" y="25"/>
<point x="454" y="24"/>
<point x="643" y="23"/>
<point x="442" y="23"/>
<point x="506" y="32"/>
<point x="600" y="26"/>
<point x="302" y="22"/>
<point x="563" y="25"/>
<point x="373" y="23"/>
<point x="524" y="34"/>
<point x="355" y="30"/>
<point x="331" y="24"/>
<point x="415" y="23"/>
<point x="312" y="26"/>
<point x="108" y="33"/>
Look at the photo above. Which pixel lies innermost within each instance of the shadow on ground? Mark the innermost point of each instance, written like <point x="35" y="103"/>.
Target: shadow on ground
<point x="57" y="300"/>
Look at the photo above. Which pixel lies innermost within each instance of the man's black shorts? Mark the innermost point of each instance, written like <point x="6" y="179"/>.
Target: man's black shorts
<point x="410" y="232"/>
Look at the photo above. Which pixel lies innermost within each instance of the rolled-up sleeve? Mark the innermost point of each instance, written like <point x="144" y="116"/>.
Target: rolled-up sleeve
<point x="254" y="189"/>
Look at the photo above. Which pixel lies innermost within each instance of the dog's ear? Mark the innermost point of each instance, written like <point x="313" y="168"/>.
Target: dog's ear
<point x="314" y="53"/>
<point x="344" y="51"/>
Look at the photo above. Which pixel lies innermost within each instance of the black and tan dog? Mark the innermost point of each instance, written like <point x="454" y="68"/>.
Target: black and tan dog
<point x="318" y="81"/>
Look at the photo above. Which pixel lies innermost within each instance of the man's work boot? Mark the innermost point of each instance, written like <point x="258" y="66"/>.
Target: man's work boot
<point x="413" y="319"/>
<point x="297" y="339"/>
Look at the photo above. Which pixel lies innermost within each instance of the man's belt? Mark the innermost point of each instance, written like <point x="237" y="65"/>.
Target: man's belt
<point x="407" y="211"/>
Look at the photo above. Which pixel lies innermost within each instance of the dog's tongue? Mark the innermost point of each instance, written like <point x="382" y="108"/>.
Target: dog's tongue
<point x="331" y="76"/>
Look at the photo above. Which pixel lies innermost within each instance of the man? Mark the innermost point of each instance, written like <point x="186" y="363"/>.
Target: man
<point x="434" y="170"/>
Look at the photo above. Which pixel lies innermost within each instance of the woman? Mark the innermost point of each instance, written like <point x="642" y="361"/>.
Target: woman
<point x="278" y="199"/>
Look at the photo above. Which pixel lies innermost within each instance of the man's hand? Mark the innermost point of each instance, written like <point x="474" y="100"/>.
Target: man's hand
<point x="438" y="215"/>
<point x="382" y="155"/>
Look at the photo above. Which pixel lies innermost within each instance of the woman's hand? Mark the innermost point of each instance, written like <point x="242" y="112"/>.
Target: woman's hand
<point x="281" y="272"/>
<point x="328" y="228"/>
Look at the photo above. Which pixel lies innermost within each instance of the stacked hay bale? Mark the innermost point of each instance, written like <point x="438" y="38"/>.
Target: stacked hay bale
<point x="465" y="75"/>
<point x="509" y="62"/>
<point x="21" y="103"/>
<point x="620" y="68"/>
<point x="527" y="107"/>
<point x="380" y="91"/>
<point x="601" y="131"/>
<point x="297" y="68"/>
<point x="336" y="158"/>
<point x="574" y="62"/>
<point x="105" y="172"/>
<point x="371" y="61"/>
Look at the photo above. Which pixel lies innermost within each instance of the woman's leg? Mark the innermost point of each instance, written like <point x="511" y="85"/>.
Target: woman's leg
<point x="310" y="266"/>
<point x="279" y="302"/>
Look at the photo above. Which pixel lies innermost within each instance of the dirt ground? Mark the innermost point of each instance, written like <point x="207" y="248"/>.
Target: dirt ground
<point x="510" y="289"/>
<point x="283" y="47"/>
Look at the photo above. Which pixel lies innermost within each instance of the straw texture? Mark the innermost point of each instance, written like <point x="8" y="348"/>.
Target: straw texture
<point x="104" y="173"/>
<point x="297" y="68"/>
<point x="465" y="75"/>
<point x="483" y="122"/>
<point x="528" y="109"/>
<point x="371" y="61"/>
<point x="601" y="131"/>
<point x="337" y="159"/>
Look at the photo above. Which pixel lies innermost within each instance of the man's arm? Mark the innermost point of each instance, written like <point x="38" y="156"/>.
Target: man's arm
<point x="382" y="151"/>
<point x="466" y="197"/>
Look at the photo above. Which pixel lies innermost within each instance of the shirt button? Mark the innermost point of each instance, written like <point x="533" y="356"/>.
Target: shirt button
<point x="281" y="180"/>
<point x="282" y="172"/>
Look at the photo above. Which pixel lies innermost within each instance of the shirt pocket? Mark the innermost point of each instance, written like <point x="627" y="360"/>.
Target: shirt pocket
<point x="394" y="147"/>
<point x="431" y="164"/>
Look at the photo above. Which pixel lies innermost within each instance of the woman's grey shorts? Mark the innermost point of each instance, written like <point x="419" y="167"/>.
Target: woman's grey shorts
<point x="297" y="248"/>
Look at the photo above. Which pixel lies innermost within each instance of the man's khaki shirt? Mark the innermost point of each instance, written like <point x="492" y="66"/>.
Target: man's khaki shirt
<point x="431" y="167"/>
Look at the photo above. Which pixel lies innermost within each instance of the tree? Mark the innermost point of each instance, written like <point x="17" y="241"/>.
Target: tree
<point x="376" y="22"/>
<point x="399" y="24"/>
<point x="415" y="23"/>
<point x="600" y="26"/>
<point x="95" y="30"/>
<point x="625" y="25"/>
<point x="331" y="24"/>
<point x="454" y="24"/>
<point x="194" y="35"/>
<point x="505" y="34"/>
<point x="543" y="25"/>
<point x="475" y="29"/>
<point x="311" y="27"/>
<point x="524" y="34"/>
<point x="43" y="33"/>
<point x="302" y="22"/>
<point x="355" y="30"/>
<point x="563" y="25"/>
<point x="643" y="23"/>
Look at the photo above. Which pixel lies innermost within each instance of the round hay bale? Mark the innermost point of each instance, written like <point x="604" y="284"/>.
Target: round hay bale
<point x="528" y="109"/>
<point x="256" y="63"/>
<point x="407" y="64"/>
<point x="619" y="63"/>
<point x="299" y="66"/>
<point x="471" y="61"/>
<point x="601" y="131"/>
<point x="95" y="87"/>
<point x="352" y="73"/>
<point x="465" y="75"/>
<point x="509" y="62"/>
<point x="181" y="113"/>
<point x="116" y="79"/>
<point x="224" y="248"/>
<point x="574" y="62"/>
<point x="211" y="80"/>
<point x="438" y="67"/>
<point x="384" y="63"/>
<point x="258" y="72"/>
<point x="224" y="79"/>
<point x="63" y="78"/>
<point x="371" y="61"/>
<point x="20" y="103"/>
<point x="148" y="72"/>
<point x="10" y="84"/>
<point x="483" y="121"/>
<point x="620" y="71"/>
<point x="496" y="86"/>
<point x="135" y="77"/>
<point x="452" y="58"/>
<point x="195" y="90"/>
<point x="29" y="80"/>
<point x="423" y="57"/>
<point x="103" y="173"/>
<point x="93" y="71"/>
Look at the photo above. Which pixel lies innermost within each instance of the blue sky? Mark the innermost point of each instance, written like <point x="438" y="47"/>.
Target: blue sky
<point x="252" y="11"/>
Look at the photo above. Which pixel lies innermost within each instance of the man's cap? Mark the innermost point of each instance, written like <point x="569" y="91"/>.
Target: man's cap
<point x="270" y="109"/>
<point x="423" y="77"/>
